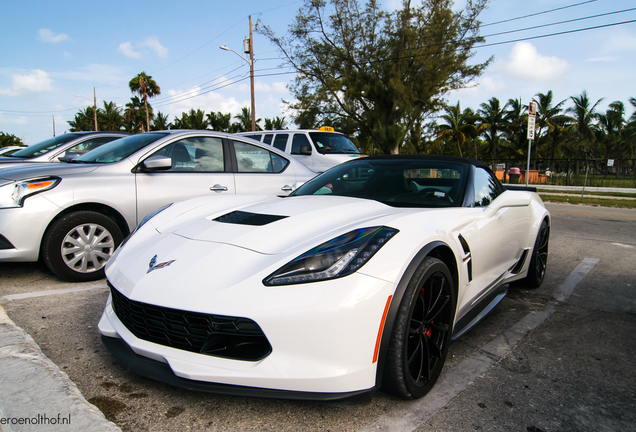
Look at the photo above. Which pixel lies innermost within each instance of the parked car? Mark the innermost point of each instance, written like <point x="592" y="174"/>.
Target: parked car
<point x="67" y="146"/>
<point x="6" y="151"/>
<point x="319" y="150"/>
<point x="355" y="282"/>
<point x="73" y="215"/>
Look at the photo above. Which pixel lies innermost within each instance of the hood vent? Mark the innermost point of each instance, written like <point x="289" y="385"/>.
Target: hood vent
<point x="246" y="218"/>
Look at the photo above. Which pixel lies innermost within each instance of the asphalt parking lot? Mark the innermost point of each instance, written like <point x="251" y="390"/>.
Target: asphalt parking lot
<point x="559" y="358"/>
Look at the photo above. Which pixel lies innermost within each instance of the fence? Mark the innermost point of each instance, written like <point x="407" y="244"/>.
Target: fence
<point x="569" y="172"/>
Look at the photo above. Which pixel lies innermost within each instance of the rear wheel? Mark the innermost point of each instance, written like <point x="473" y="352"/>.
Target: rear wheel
<point x="77" y="246"/>
<point x="539" y="260"/>
<point x="422" y="331"/>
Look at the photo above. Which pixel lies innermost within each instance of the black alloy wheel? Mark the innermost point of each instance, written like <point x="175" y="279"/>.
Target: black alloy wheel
<point x="422" y="331"/>
<point x="539" y="260"/>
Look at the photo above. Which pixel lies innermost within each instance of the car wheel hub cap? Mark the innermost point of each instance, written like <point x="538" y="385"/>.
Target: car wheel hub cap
<point x="86" y="248"/>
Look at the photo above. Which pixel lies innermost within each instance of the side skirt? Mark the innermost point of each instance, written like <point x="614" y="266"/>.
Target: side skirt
<point x="480" y="310"/>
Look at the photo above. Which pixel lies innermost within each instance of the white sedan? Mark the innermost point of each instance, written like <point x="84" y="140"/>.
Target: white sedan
<point x="356" y="281"/>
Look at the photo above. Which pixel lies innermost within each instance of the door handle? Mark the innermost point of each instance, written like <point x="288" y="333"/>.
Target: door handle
<point x="218" y="188"/>
<point x="286" y="188"/>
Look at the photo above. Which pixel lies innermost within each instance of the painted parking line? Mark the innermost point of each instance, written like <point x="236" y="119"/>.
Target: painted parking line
<point x="564" y="291"/>
<point x="52" y="292"/>
<point x="408" y="416"/>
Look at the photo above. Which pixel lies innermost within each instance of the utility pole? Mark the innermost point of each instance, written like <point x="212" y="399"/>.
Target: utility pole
<point x="251" y="52"/>
<point x="53" y="126"/>
<point x="248" y="48"/>
<point x="94" y="108"/>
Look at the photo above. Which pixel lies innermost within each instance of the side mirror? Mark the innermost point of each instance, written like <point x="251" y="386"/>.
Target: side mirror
<point x="508" y="199"/>
<point x="155" y="163"/>
<point x="68" y="157"/>
<point x="305" y="150"/>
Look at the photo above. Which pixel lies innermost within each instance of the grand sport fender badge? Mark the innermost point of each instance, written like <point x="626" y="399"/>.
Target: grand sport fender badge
<point x="154" y="266"/>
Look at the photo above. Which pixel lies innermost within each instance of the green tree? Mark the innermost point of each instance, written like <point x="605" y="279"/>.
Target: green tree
<point x="110" y="118"/>
<point x="382" y="71"/>
<point x="134" y="115"/>
<point x="160" y="122"/>
<point x="244" y="123"/>
<point x="145" y="87"/>
<point x="191" y="120"/>
<point x="84" y="120"/>
<point x="457" y="127"/>
<point x="493" y="124"/>
<point x="277" y="123"/>
<point x="220" y="122"/>
<point x="584" y="115"/>
<point x="7" y="140"/>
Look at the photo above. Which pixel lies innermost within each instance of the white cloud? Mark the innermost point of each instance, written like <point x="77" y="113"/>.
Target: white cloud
<point x="67" y="54"/>
<point x="526" y="63"/>
<point x="127" y="49"/>
<point x="96" y="73"/>
<point x="46" y="35"/>
<point x="604" y="59"/>
<point x="24" y="85"/>
<point x="154" y="45"/>
<point x="620" y="42"/>
<point x="151" y="44"/>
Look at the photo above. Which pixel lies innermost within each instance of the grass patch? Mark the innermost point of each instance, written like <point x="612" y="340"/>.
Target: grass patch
<point x="601" y="202"/>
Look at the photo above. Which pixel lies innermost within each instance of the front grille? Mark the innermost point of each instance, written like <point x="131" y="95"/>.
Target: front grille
<point x="217" y="335"/>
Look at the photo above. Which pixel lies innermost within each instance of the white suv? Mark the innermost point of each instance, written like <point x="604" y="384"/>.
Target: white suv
<point x="319" y="150"/>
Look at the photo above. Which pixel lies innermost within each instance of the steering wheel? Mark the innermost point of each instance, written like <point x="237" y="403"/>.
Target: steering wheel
<point x="431" y="192"/>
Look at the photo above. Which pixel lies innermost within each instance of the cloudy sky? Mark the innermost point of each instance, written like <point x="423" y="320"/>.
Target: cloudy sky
<point x="55" y="53"/>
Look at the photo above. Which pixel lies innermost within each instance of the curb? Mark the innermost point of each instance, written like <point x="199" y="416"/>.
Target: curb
<point x="35" y="394"/>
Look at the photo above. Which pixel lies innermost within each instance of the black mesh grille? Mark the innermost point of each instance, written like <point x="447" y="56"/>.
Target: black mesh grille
<point x="245" y="218"/>
<point x="217" y="335"/>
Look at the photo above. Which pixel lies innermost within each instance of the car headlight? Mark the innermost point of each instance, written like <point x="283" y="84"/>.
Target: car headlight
<point x="338" y="257"/>
<point x="13" y="194"/>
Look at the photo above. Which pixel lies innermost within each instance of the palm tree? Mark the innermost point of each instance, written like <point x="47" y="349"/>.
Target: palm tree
<point x="219" y="121"/>
<point x="277" y="123"/>
<point x="145" y="87"/>
<point x="547" y="115"/>
<point x="134" y="115"/>
<point x="83" y="120"/>
<point x="244" y="123"/>
<point x="457" y="127"/>
<point x="110" y="118"/>
<point x="493" y="121"/>
<point x="191" y="120"/>
<point x="160" y="122"/>
<point x="583" y="114"/>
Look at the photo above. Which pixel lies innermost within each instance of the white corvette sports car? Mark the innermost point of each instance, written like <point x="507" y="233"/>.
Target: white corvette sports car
<point x="357" y="281"/>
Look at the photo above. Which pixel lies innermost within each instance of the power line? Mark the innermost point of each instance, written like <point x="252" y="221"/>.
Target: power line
<point x="560" y="22"/>
<point x="538" y="13"/>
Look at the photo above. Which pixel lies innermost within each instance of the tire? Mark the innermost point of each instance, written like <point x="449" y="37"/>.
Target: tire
<point x="539" y="260"/>
<point x="77" y="246"/>
<point x="422" y="331"/>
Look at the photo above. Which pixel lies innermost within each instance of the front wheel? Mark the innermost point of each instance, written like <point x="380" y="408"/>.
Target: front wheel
<point x="422" y="331"/>
<point x="77" y="246"/>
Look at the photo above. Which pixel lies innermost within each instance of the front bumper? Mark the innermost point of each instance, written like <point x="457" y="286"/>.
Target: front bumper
<point x="323" y="343"/>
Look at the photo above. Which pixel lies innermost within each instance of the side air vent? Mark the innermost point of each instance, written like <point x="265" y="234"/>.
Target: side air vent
<point x="246" y="218"/>
<point x="467" y="258"/>
<point x="5" y="244"/>
<point x="517" y="268"/>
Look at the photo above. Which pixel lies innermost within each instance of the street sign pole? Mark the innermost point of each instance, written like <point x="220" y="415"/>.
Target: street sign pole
<point x="532" y="114"/>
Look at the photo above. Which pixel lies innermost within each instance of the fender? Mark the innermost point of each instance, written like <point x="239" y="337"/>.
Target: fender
<point x="397" y="299"/>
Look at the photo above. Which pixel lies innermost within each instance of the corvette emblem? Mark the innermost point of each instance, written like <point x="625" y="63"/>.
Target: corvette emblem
<point x="154" y="266"/>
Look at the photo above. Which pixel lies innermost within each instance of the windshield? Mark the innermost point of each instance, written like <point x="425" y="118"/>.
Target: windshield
<point x="398" y="182"/>
<point x="45" y="146"/>
<point x="330" y="143"/>
<point x="120" y="149"/>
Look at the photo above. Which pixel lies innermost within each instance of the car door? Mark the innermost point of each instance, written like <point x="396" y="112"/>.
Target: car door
<point x="298" y="141"/>
<point x="501" y="234"/>
<point x="260" y="171"/>
<point x="200" y="167"/>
